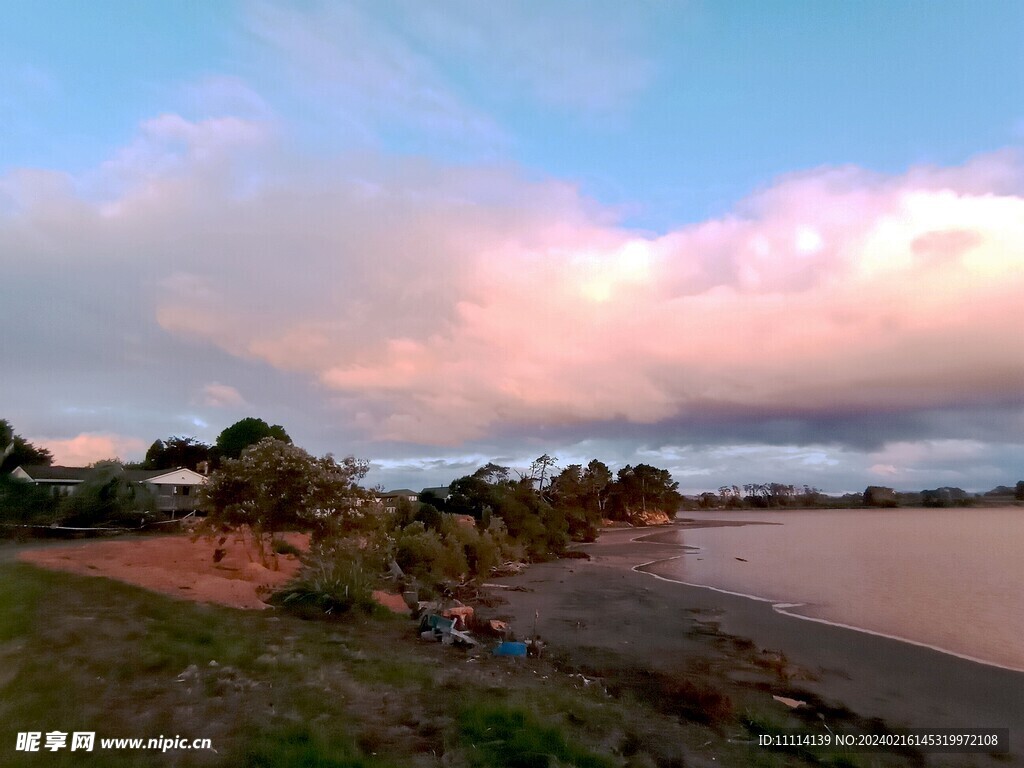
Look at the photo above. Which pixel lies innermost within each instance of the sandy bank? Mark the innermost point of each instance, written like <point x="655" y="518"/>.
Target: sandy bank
<point x="180" y="566"/>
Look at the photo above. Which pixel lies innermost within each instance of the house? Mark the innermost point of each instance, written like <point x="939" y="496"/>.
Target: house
<point x="173" y="489"/>
<point x="439" y="492"/>
<point x="390" y="498"/>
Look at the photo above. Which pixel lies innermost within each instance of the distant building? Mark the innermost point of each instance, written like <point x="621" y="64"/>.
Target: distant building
<point x="439" y="492"/>
<point x="389" y="499"/>
<point x="173" y="489"/>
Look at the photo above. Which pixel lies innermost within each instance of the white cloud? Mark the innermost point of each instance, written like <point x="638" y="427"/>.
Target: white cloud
<point x="222" y="396"/>
<point x="370" y="77"/>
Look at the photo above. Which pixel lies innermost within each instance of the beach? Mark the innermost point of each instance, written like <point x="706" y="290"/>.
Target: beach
<point x="615" y="611"/>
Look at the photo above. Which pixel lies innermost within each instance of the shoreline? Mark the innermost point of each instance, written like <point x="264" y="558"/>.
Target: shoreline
<point x="608" y="607"/>
<point x="784" y="608"/>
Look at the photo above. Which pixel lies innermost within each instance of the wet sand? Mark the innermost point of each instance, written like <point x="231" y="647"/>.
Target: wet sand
<point x="610" y="605"/>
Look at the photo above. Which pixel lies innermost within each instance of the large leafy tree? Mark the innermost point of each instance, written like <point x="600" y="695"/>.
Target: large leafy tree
<point x="249" y="431"/>
<point x="16" y="450"/>
<point x="582" y="493"/>
<point x="176" y="452"/>
<point x="275" y="485"/>
<point x="644" y="488"/>
<point x="472" y="495"/>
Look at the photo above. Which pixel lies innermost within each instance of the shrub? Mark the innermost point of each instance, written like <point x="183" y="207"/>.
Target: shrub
<point x="282" y="547"/>
<point x="22" y="503"/>
<point x="480" y="550"/>
<point x="428" y="556"/>
<point x="331" y="582"/>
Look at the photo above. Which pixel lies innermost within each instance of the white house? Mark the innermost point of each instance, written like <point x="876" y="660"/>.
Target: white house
<point x="173" y="489"/>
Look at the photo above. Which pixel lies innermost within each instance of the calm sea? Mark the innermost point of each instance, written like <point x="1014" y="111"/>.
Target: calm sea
<point x="948" y="579"/>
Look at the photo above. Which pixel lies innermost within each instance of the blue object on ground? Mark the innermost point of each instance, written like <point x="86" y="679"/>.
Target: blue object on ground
<point x="510" y="649"/>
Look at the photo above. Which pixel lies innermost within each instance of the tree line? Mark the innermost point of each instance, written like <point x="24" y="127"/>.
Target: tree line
<point x="761" y="496"/>
<point x="488" y="517"/>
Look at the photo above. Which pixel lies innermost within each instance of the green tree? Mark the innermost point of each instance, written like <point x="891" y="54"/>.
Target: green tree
<point x="24" y="503"/>
<point x="430" y="516"/>
<point x="249" y="431"/>
<point x="107" y="497"/>
<point x="431" y="498"/>
<point x="597" y="482"/>
<point x="275" y="485"/>
<point x="16" y="450"/>
<point x="492" y="473"/>
<point x="177" y="452"/>
<point x="577" y="494"/>
<point x="644" y="488"/>
<point x="532" y="524"/>
<point x="540" y="469"/>
<point x="472" y="495"/>
<point x="880" y="496"/>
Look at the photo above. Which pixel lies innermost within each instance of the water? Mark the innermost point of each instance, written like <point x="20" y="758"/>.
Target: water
<point x="947" y="579"/>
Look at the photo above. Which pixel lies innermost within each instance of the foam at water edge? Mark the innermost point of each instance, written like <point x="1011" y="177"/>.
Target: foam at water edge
<point x="782" y="608"/>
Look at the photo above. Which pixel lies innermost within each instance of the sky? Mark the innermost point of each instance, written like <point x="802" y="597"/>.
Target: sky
<point x="743" y="241"/>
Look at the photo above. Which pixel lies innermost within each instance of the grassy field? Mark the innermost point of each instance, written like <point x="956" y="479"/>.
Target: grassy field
<point x="270" y="689"/>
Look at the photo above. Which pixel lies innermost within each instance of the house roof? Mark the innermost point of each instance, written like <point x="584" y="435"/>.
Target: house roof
<point x="441" y="491"/>
<point x="44" y="473"/>
<point x="399" y="492"/>
<point x="153" y="476"/>
<point x="142" y="475"/>
<point x="41" y="473"/>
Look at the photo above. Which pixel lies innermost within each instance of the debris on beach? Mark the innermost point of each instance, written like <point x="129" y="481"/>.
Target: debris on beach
<point x="435" y="628"/>
<point x="508" y="569"/>
<point x="393" y="602"/>
<point x="509" y="587"/>
<point x="575" y="554"/>
<point x="791" y="703"/>
<point x="497" y="626"/>
<point x="742" y="560"/>
<point x="463" y="615"/>
<point x="510" y="648"/>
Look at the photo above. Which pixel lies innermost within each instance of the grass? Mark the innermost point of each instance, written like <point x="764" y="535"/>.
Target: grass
<point x="271" y="689"/>
<point x="507" y="736"/>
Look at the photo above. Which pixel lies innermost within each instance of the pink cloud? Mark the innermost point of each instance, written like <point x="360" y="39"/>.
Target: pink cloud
<point x="90" y="447"/>
<point x="434" y="304"/>
<point x="832" y="290"/>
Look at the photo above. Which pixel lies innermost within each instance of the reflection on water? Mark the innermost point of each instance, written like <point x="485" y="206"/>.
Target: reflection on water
<point x="950" y="579"/>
